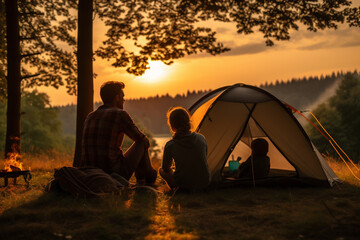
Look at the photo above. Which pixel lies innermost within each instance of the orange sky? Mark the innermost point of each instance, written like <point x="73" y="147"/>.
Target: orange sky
<point x="249" y="61"/>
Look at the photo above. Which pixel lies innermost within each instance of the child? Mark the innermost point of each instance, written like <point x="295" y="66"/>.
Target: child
<point x="188" y="150"/>
<point x="261" y="161"/>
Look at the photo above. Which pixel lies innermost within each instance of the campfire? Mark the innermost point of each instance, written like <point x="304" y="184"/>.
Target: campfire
<point x="13" y="169"/>
<point x="12" y="164"/>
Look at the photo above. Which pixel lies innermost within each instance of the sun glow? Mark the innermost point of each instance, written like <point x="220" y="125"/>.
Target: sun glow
<point x="156" y="72"/>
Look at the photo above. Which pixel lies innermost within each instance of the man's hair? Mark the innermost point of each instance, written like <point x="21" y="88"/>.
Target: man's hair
<point x="109" y="90"/>
<point x="179" y="119"/>
<point x="260" y="147"/>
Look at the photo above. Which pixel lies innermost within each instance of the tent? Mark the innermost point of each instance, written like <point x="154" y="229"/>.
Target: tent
<point x="231" y="117"/>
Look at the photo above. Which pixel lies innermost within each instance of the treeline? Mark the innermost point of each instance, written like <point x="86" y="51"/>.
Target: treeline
<point x="151" y="112"/>
<point x="304" y="92"/>
<point x="41" y="129"/>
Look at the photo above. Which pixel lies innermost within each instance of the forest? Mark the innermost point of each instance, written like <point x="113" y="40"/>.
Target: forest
<point x="151" y="112"/>
<point x="340" y="115"/>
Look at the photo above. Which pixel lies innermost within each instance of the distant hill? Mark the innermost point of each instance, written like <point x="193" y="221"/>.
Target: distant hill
<point x="305" y="92"/>
<point x="301" y="93"/>
<point x="151" y="111"/>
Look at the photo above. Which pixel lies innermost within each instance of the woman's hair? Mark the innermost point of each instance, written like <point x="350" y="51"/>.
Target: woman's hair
<point x="178" y="118"/>
<point x="109" y="90"/>
<point x="259" y="147"/>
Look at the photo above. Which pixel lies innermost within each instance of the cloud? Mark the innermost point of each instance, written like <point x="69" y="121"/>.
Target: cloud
<point x="251" y="48"/>
<point x="222" y="30"/>
<point x="327" y="45"/>
<point x="333" y="39"/>
<point x="301" y="40"/>
<point x="314" y="46"/>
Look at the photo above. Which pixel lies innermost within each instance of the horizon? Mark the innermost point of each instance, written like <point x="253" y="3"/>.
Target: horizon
<point x="281" y="81"/>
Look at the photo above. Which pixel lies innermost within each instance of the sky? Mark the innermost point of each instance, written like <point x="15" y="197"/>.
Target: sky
<point x="250" y="61"/>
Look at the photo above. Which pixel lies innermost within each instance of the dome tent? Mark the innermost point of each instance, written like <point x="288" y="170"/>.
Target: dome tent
<point x="231" y="117"/>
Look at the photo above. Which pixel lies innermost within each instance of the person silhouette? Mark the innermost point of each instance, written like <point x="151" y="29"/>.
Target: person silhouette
<point x="258" y="163"/>
<point x="188" y="150"/>
<point x="103" y="135"/>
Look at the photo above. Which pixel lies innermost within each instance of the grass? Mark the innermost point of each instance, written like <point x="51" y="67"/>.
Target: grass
<point x="237" y="213"/>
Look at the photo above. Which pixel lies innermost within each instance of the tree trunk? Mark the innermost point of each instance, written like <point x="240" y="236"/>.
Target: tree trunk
<point x="12" y="143"/>
<point x="85" y="93"/>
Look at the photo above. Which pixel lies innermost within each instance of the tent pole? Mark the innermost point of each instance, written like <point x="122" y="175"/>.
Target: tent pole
<point x="251" y="156"/>
<point x="252" y="159"/>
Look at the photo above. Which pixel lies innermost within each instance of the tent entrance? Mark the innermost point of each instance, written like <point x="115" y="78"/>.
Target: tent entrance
<point x="279" y="165"/>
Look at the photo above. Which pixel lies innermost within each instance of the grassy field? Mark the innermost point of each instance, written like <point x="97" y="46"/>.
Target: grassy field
<point x="236" y="213"/>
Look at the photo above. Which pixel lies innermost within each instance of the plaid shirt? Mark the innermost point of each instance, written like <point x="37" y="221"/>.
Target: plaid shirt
<point x="103" y="136"/>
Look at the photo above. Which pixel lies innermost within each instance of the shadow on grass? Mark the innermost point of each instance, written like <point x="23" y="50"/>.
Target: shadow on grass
<point x="232" y="213"/>
<point x="57" y="216"/>
<point x="269" y="213"/>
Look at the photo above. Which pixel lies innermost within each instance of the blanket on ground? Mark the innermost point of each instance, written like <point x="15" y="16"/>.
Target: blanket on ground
<point x="87" y="181"/>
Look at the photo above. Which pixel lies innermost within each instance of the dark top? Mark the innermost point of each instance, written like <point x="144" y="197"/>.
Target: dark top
<point x="189" y="153"/>
<point x="103" y="136"/>
<point x="261" y="167"/>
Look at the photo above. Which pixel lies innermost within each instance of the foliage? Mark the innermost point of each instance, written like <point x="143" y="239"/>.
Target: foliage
<point x="41" y="129"/>
<point x="340" y="115"/>
<point x="157" y="30"/>
<point x="47" y="44"/>
<point x="165" y="30"/>
<point x="45" y="26"/>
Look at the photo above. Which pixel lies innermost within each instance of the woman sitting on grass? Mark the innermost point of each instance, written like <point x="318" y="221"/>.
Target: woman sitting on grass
<point x="188" y="150"/>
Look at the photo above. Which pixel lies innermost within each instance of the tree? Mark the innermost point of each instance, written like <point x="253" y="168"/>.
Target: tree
<point x="2" y="52"/>
<point x="85" y="99"/>
<point x="340" y="115"/>
<point x="40" y="126"/>
<point x="33" y="33"/>
<point x="13" y="78"/>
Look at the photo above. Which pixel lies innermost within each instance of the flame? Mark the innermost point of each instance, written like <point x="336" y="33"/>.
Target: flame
<point x="12" y="161"/>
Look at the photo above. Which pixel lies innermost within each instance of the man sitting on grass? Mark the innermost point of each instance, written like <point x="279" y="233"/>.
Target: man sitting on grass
<point x="103" y="136"/>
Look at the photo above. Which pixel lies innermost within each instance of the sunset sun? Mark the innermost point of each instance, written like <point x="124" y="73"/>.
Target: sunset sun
<point x="156" y="72"/>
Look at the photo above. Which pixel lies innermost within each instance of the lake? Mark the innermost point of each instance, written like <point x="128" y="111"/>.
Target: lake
<point x="161" y="141"/>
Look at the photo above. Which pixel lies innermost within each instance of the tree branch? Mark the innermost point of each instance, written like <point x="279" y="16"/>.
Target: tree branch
<point x="30" y="38"/>
<point x="31" y="13"/>
<point x="30" y="76"/>
<point x="30" y="54"/>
